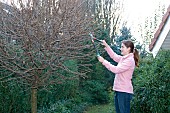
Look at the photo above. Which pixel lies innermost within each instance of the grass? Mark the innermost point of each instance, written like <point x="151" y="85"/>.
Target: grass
<point x="104" y="108"/>
<point x="108" y="108"/>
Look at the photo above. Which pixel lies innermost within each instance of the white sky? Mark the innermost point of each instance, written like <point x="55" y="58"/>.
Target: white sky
<point x="136" y="11"/>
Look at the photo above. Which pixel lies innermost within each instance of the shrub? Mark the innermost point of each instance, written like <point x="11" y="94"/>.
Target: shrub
<point x="64" y="106"/>
<point x="151" y="85"/>
<point x="97" y="92"/>
<point x="14" y="98"/>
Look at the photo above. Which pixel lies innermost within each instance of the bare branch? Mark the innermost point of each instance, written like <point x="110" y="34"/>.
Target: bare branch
<point x="38" y="38"/>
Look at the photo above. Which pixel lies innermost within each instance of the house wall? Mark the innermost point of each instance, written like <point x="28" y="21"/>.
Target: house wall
<point x="166" y="43"/>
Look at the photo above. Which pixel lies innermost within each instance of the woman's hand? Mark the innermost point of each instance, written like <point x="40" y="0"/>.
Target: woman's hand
<point x="104" y="43"/>
<point x="101" y="59"/>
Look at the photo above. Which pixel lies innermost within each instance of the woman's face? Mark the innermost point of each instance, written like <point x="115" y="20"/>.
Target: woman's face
<point x="124" y="50"/>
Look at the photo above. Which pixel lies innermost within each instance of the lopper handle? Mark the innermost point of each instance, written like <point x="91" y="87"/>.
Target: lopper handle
<point x="97" y="52"/>
<point x="94" y="38"/>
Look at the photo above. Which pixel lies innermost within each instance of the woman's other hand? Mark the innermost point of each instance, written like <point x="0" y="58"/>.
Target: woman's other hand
<point x="101" y="59"/>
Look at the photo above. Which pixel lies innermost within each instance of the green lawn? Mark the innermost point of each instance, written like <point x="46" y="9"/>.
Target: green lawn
<point x="108" y="108"/>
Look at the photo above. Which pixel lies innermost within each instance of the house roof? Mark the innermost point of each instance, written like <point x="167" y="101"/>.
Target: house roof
<point x="161" y="26"/>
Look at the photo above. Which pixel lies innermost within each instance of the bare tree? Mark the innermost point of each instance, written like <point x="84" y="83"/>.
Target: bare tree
<point x="37" y="38"/>
<point x="107" y="16"/>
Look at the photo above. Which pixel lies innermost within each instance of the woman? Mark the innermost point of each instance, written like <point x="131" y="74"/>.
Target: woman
<point x="123" y="73"/>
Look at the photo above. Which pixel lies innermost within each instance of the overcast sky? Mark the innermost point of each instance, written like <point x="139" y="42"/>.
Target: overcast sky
<point x="136" y="11"/>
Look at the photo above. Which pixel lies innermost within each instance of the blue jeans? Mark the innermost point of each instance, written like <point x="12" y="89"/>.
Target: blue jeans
<point x="122" y="102"/>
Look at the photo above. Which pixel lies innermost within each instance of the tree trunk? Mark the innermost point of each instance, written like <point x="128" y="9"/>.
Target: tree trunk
<point x="33" y="100"/>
